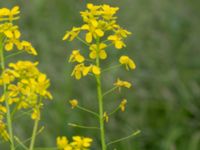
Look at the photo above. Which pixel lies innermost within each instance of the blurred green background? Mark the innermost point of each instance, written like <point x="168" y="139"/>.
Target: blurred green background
<point x="165" y="101"/>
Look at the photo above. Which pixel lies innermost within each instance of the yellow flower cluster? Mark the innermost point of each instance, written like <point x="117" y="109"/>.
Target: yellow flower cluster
<point x="26" y="86"/>
<point x="23" y="84"/>
<point x="101" y="31"/>
<point x="78" y="143"/>
<point x="10" y="33"/>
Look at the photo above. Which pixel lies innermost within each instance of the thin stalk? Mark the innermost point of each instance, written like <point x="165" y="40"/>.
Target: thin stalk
<point x="114" y="111"/>
<point x="35" y="128"/>
<point x="100" y="101"/>
<point x="109" y="91"/>
<point x="8" y="114"/>
<point x="87" y="110"/>
<point x="20" y="143"/>
<point x="31" y="147"/>
<point x="113" y="67"/>
<point x="82" y="41"/>
<point x="25" y="141"/>
<point x="14" y="54"/>
<point x="82" y="126"/>
<point x="124" y="138"/>
<point x="46" y="148"/>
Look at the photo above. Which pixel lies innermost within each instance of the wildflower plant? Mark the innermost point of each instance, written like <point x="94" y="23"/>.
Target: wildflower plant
<point x="101" y="31"/>
<point x="23" y="87"/>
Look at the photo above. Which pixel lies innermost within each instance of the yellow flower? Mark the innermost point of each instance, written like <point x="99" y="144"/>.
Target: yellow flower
<point x="108" y="12"/>
<point x="76" y="56"/>
<point x="117" y="40"/>
<point x="105" y="116"/>
<point x="62" y="143"/>
<point x="121" y="83"/>
<point x="35" y="114"/>
<point x="96" y="70"/>
<point x="93" y="30"/>
<point x="92" y="12"/>
<point x="12" y="39"/>
<point x="27" y="46"/>
<point x="81" y="142"/>
<point x="82" y="70"/>
<point x="8" y="76"/>
<point x="93" y="8"/>
<point x="9" y="15"/>
<point x="129" y="63"/>
<point x="72" y="34"/>
<point x="123" y="105"/>
<point x="98" y="51"/>
<point x="73" y="103"/>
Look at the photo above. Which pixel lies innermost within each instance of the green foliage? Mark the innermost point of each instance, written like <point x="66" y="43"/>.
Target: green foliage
<point x="164" y="104"/>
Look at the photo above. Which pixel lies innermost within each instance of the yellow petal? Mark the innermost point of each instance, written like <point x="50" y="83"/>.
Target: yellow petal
<point x="17" y="34"/>
<point x="15" y="10"/>
<point x="86" y="70"/>
<point x="8" y="34"/>
<point x="119" y="44"/>
<point x="90" y="5"/>
<point x="96" y="70"/>
<point x="94" y="23"/>
<point x="132" y="64"/>
<point x="78" y="75"/>
<point x="42" y="78"/>
<point x="85" y="27"/>
<point x="88" y="37"/>
<point x="66" y="36"/>
<point x="99" y="32"/>
<point x="79" y="58"/>
<point x="9" y="46"/>
<point x="112" y="37"/>
<point x="93" y="54"/>
<point x="103" y="54"/>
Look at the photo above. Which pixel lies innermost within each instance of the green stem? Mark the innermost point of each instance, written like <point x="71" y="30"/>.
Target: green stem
<point x="20" y="143"/>
<point x="46" y="148"/>
<point x="8" y="115"/>
<point x="101" y="110"/>
<point x="113" y="67"/>
<point x="87" y="110"/>
<point x="81" y="126"/>
<point x="82" y="41"/>
<point x="124" y="138"/>
<point x="31" y="147"/>
<point x="115" y="110"/>
<point x="109" y="91"/>
<point x="25" y="141"/>
<point x="14" y="54"/>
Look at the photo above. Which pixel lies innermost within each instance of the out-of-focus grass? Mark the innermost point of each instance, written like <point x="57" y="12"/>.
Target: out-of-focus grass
<point x="164" y="103"/>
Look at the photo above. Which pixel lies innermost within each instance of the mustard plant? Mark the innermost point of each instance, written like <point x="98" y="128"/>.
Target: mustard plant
<point x="101" y="31"/>
<point x="23" y="86"/>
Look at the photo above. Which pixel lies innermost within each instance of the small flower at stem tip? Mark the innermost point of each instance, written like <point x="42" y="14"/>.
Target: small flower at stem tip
<point x="128" y="62"/>
<point x="74" y="103"/>
<point x="123" y="105"/>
